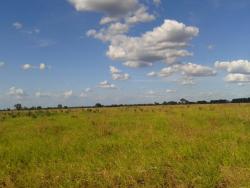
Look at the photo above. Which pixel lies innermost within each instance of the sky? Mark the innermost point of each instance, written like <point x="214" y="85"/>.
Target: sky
<point x="80" y="52"/>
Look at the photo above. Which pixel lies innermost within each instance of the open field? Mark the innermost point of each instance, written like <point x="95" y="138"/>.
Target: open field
<point x="162" y="146"/>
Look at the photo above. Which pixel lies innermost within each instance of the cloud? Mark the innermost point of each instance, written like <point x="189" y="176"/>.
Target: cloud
<point x="238" y="70"/>
<point x="188" y="70"/>
<point x="43" y="43"/>
<point x="235" y="67"/>
<point x="194" y="70"/>
<point x="106" y="85"/>
<point x="42" y="95"/>
<point x="17" y="25"/>
<point x="137" y="64"/>
<point x="168" y="71"/>
<point x="32" y="31"/>
<point x="118" y="28"/>
<point x="129" y="11"/>
<point x="237" y="78"/>
<point x="107" y="20"/>
<point x="165" y="43"/>
<point x="170" y="91"/>
<point x="41" y="67"/>
<point x="17" y="92"/>
<point x="113" y="8"/>
<point x="187" y="81"/>
<point x="210" y="47"/>
<point x="27" y="66"/>
<point x="140" y="15"/>
<point x="86" y="92"/>
<point x="83" y="95"/>
<point x="2" y="64"/>
<point x="157" y="2"/>
<point x="152" y="74"/>
<point x="117" y="74"/>
<point x="114" y="70"/>
<point x="120" y="76"/>
<point x="154" y="94"/>
<point x="151" y="92"/>
<point x="36" y="30"/>
<point x="241" y="84"/>
<point x="68" y="94"/>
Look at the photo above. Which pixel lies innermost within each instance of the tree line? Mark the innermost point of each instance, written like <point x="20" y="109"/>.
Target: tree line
<point x="99" y="105"/>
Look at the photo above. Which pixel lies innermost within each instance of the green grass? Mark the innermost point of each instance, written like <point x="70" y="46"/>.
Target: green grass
<point x="164" y="146"/>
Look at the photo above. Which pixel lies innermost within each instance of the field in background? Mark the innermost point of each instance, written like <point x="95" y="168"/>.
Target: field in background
<point x="163" y="146"/>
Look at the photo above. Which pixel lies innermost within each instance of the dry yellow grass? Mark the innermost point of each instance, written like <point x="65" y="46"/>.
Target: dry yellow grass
<point x="162" y="146"/>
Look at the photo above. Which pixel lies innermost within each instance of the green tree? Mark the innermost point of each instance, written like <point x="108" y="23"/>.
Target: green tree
<point x="18" y="106"/>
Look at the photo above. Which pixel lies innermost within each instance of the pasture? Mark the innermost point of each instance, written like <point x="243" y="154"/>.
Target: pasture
<point x="158" y="146"/>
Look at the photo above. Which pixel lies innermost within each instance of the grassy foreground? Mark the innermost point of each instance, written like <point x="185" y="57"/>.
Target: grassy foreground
<point x="164" y="146"/>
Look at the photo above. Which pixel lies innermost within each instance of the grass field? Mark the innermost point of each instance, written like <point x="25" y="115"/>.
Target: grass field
<point x="162" y="146"/>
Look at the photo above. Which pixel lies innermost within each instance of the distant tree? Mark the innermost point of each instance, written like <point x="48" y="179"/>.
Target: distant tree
<point x="98" y="105"/>
<point x="59" y="106"/>
<point x="39" y="108"/>
<point x="165" y="103"/>
<point x="33" y="108"/>
<point x="65" y="107"/>
<point x="156" y="103"/>
<point x="201" y="102"/>
<point x="184" y="101"/>
<point x="241" y="100"/>
<point x="172" y="103"/>
<point x="220" y="101"/>
<point x="18" y="106"/>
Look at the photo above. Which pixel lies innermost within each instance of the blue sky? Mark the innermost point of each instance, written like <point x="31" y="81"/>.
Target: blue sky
<point x="79" y="52"/>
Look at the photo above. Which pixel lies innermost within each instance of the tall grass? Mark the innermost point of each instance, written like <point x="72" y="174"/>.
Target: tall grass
<point x="166" y="146"/>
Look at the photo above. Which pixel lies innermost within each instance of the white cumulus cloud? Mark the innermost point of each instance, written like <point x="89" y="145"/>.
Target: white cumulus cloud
<point x="153" y="74"/>
<point x="238" y="70"/>
<point x="86" y="92"/>
<point x="114" y="70"/>
<point x="27" y="66"/>
<point x="166" y="43"/>
<point x="140" y="15"/>
<point x="120" y="76"/>
<point x="17" y="92"/>
<point x="170" y="91"/>
<point x="187" y="81"/>
<point x="17" y="25"/>
<point x="68" y="94"/>
<point x="117" y="74"/>
<point x="106" y="85"/>
<point x="110" y="7"/>
<point x="238" y="66"/>
<point x="195" y="70"/>
<point x="42" y="66"/>
<point x="237" y="78"/>
<point x="188" y="70"/>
